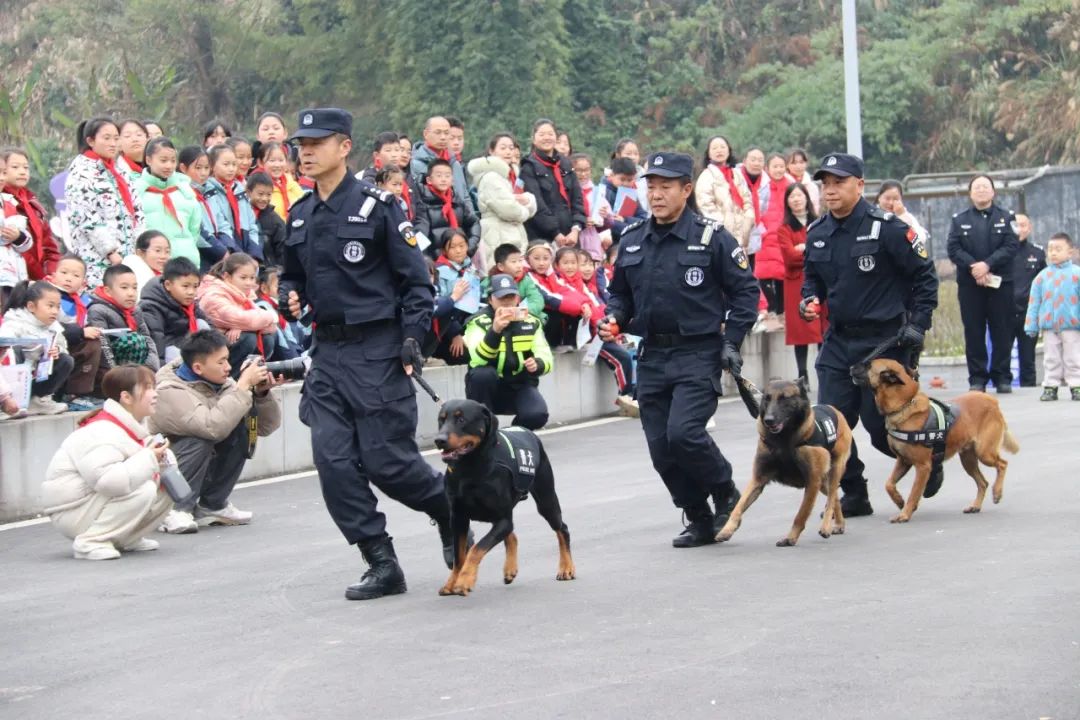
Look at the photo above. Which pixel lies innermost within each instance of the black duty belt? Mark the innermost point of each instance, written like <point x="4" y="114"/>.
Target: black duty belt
<point x="669" y="341"/>
<point x="868" y="329"/>
<point x="350" y="333"/>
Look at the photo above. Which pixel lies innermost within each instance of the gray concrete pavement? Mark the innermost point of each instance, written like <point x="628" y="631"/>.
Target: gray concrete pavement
<point x="951" y="616"/>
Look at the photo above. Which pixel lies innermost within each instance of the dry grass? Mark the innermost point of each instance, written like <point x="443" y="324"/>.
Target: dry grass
<point x="946" y="337"/>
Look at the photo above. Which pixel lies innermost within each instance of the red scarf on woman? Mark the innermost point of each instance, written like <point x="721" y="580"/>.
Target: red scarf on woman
<point x="447" y="199"/>
<point x="754" y="201"/>
<point x="206" y="206"/>
<point x="512" y="177"/>
<point x="129" y="313"/>
<point x="23" y="202"/>
<point x="121" y="183"/>
<point x="729" y="175"/>
<point x="234" y="205"/>
<point x="282" y="184"/>
<point x="102" y="415"/>
<point x="166" y="200"/>
<point x="553" y="165"/>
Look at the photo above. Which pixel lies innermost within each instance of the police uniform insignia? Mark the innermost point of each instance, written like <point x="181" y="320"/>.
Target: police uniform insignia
<point x="366" y="209"/>
<point x="917" y="243"/>
<point x="866" y="263"/>
<point x="308" y="119"/>
<point x="830" y="162"/>
<point x="819" y="244"/>
<point x="407" y="233"/>
<point x="354" y="251"/>
<point x="695" y="276"/>
<point x="298" y="222"/>
<point x="659" y="160"/>
<point x="632" y="248"/>
<point x="739" y="256"/>
<point x="706" y="236"/>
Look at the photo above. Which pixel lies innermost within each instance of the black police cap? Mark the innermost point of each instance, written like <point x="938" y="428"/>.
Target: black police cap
<point x="321" y="122"/>
<point x="503" y="285"/>
<point x="669" y="165"/>
<point x="840" y="165"/>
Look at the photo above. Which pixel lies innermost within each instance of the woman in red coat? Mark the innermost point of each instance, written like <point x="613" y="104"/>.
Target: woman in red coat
<point x="798" y="214"/>
<point x="42" y="258"/>
<point x="769" y="268"/>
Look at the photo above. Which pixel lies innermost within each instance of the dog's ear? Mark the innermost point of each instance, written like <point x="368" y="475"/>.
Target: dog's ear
<point x="491" y="423"/>
<point x="804" y="386"/>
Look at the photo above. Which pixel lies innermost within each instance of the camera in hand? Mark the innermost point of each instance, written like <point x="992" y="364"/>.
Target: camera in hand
<point x="289" y="369"/>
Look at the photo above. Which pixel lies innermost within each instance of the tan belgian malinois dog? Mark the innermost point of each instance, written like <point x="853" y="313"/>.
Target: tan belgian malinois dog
<point x="978" y="434"/>
<point x="802" y="446"/>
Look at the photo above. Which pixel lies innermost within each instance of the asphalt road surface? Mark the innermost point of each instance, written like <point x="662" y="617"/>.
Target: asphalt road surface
<point x="951" y="616"/>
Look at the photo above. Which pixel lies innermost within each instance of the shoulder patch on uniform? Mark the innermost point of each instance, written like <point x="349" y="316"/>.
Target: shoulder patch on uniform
<point x="739" y="256"/>
<point x="380" y="195"/>
<point x="408" y="234"/>
<point x="918" y="244"/>
<point x="632" y="226"/>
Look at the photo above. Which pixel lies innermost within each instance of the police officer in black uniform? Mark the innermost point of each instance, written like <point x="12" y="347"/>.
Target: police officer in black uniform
<point x="683" y="283"/>
<point x="982" y="244"/>
<point x="875" y="274"/>
<point x="351" y="255"/>
<point x="1029" y="261"/>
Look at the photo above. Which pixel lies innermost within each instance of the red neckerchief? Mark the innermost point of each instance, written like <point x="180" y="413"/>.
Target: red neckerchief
<point x="23" y="203"/>
<point x="129" y="313"/>
<point x="457" y="156"/>
<point x="553" y="165"/>
<point x="518" y="278"/>
<point x="729" y="175"/>
<point x="447" y="199"/>
<point x="376" y="163"/>
<point x="754" y="185"/>
<point x="248" y="305"/>
<point x="512" y="177"/>
<point x="447" y="262"/>
<point x="406" y="194"/>
<point x="121" y="183"/>
<point x="166" y="200"/>
<point x="306" y="183"/>
<point x="104" y="415"/>
<point x="206" y="206"/>
<point x="273" y="304"/>
<point x="234" y="205"/>
<point x="585" y="199"/>
<point x="10" y="209"/>
<point x="282" y="184"/>
<point x="189" y="311"/>
<point x="76" y="299"/>
<point x="135" y="165"/>
<point x="443" y="154"/>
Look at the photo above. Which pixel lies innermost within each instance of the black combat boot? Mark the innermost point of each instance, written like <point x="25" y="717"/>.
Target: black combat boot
<point x="725" y="501"/>
<point x="856" y="505"/>
<point x="383" y="576"/>
<point x="699" y="530"/>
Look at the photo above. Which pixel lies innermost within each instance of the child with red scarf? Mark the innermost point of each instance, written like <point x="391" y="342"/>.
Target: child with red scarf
<point x="565" y="307"/>
<point x="84" y="342"/>
<point x="32" y="312"/>
<point x="274" y="161"/>
<point x="41" y="259"/>
<point x="287" y="346"/>
<point x="567" y="261"/>
<point x="114" y="309"/>
<point x="272" y="230"/>
<point x="230" y="209"/>
<point x="769" y="268"/>
<point x="227" y="296"/>
<point x="440" y="209"/>
<point x="169" y="307"/>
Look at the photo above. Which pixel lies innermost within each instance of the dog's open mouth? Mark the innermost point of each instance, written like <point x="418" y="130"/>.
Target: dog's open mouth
<point x="461" y="450"/>
<point x="775" y="428"/>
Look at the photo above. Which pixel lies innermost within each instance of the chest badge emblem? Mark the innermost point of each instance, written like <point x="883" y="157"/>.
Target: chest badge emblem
<point x="695" y="276"/>
<point x="866" y="263"/>
<point x="354" y="251"/>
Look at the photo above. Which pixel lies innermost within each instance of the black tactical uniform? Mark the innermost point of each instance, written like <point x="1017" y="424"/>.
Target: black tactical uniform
<point x="986" y="236"/>
<point x="1029" y="261"/>
<point x="687" y="289"/>
<point x="875" y="275"/>
<point x="353" y="258"/>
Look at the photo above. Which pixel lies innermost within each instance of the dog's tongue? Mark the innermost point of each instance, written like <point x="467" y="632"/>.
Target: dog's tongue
<point x="776" y="428"/>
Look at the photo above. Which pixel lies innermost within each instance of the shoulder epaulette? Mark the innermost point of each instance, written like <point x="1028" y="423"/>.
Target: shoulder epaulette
<point x="383" y="196"/>
<point x="709" y="222"/>
<point x="632" y="226"/>
<point x="815" y="223"/>
<point x="879" y="213"/>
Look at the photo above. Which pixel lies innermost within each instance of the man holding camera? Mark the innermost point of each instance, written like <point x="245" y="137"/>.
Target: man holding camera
<point x="207" y="417"/>
<point x="508" y="354"/>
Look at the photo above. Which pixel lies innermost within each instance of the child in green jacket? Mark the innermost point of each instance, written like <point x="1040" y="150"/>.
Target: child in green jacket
<point x="510" y="261"/>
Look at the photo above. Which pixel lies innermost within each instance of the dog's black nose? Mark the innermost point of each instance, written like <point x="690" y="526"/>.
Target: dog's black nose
<point x="440" y="441"/>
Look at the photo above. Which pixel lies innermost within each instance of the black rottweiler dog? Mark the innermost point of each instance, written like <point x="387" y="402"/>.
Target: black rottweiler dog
<point x="489" y="471"/>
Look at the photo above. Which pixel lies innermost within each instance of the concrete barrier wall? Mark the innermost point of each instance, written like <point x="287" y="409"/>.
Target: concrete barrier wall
<point x="573" y="393"/>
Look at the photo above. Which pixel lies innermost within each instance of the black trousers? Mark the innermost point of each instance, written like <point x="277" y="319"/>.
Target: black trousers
<point x="62" y="367"/>
<point x="677" y="396"/>
<point x="361" y="408"/>
<point x="521" y="398"/>
<point x="982" y="308"/>
<point x="211" y="468"/>
<point x="855" y="403"/>
<point x="1025" y="350"/>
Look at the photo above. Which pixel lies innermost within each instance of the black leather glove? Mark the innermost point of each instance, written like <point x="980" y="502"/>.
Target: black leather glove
<point x="730" y="359"/>
<point x="804" y="303"/>
<point x="411" y="355"/>
<point x="911" y="336"/>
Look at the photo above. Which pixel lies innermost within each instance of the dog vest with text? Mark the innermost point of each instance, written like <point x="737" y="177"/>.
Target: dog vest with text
<point x="934" y="431"/>
<point x="518" y="450"/>
<point x="825" y="429"/>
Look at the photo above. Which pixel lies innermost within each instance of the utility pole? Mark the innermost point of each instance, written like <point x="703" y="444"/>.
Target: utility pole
<point x="852" y="109"/>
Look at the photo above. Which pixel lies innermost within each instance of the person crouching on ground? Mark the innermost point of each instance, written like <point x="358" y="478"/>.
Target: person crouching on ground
<point x="508" y="354"/>
<point x="204" y="413"/>
<point x="102" y="486"/>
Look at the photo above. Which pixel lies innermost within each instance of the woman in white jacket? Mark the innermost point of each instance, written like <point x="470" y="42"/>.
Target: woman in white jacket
<point x="102" y="488"/>
<point x="721" y="193"/>
<point x="504" y="205"/>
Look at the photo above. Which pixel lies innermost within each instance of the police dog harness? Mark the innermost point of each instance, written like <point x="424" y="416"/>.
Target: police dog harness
<point x="518" y="450"/>
<point x="939" y="421"/>
<point x="825" y="428"/>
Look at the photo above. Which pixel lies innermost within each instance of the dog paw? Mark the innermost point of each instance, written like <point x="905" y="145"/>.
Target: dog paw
<point x="566" y="574"/>
<point x="509" y="578"/>
<point x="970" y="509"/>
<point x="446" y="590"/>
<point x="823" y="532"/>
<point x="461" y="590"/>
<point x="997" y="498"/>
<point x="786" y="542"/>
<point x="838" y="530"/>
<point x="901" y="518"/>
<point x="723" y="536"/>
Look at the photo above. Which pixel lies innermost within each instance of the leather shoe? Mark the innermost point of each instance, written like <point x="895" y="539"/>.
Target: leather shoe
<point x="856" y="506"/>
<point x="383" y="576"/>
<point x="699" y="531"/>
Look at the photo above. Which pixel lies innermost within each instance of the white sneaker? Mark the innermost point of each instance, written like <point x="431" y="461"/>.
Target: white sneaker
<point x="628" y="405"/>
<point x="104" y="551"/>
<point x="178" y="522"/>
<point x="228" y="515"/>
<point x="142" y="545"/>
<point x="45" y="406"/>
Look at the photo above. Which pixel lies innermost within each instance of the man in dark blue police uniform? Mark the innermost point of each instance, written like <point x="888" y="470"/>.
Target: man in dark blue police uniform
<point x="982" y="244"/>
<point x="1029" y="261"/>
<point x="875" y="274"/>
<point x="683" y="283"/>
<point x="351" y="255"/>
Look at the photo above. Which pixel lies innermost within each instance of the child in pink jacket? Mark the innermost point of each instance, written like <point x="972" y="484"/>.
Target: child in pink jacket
<point x="227" y="298"/>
